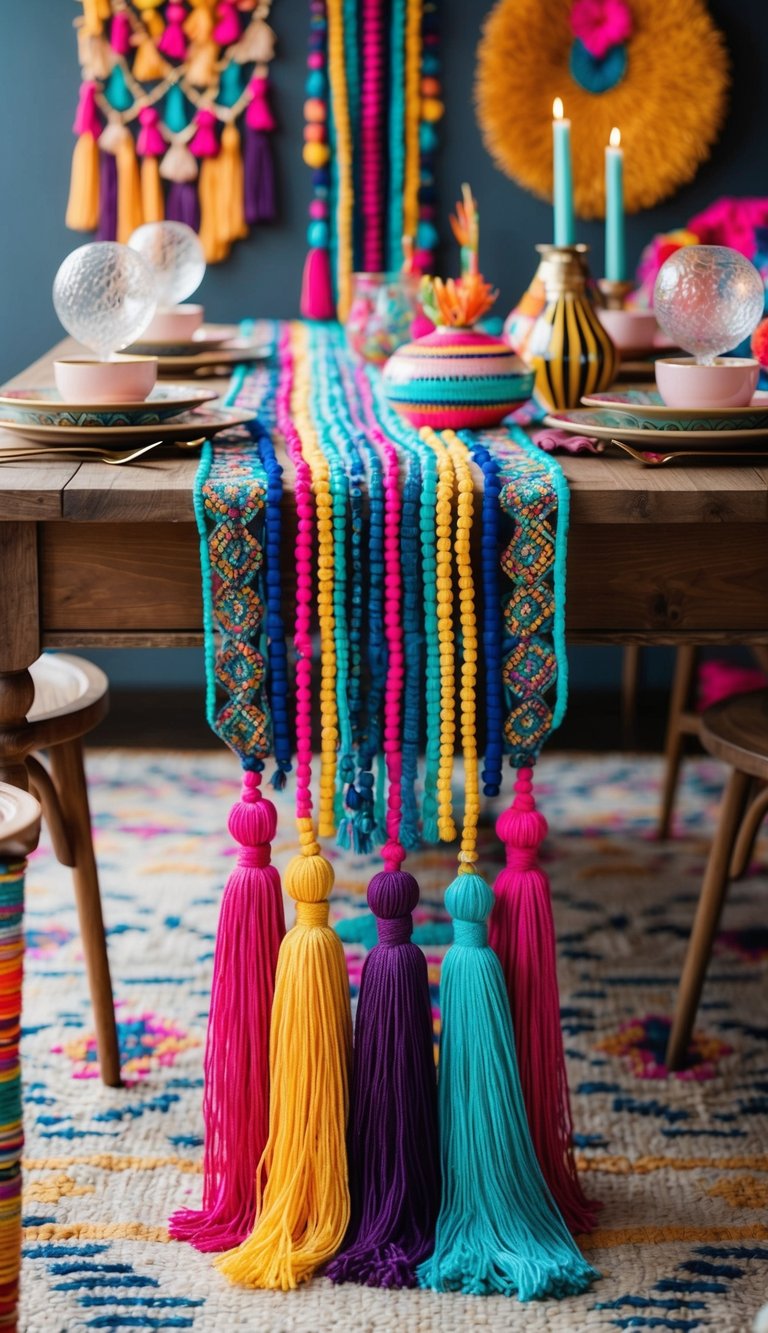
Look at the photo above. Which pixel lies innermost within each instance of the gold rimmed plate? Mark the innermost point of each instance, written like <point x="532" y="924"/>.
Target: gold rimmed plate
<point x="595" y="424"/>
<point x="643" y="409"/>
<point x="204" y="421"/>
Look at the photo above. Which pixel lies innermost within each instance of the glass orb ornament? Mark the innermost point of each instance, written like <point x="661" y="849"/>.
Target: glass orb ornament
<point x="174" y="253"/>
<point x="707" y="299"/>
<point x="104" y="295"/>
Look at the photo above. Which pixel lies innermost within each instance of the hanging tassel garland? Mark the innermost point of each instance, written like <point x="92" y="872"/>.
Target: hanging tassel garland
<point x="236" y="1105"/>
<point x="83" y="205"/>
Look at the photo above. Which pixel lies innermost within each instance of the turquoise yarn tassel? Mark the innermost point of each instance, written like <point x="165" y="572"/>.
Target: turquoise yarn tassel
<point x="498" y="1230"/>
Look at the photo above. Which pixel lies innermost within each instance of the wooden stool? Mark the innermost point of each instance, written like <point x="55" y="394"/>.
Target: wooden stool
<point x="735" y="730"/>
<point x="19" y="830"/>
<point x="71" y="697"/>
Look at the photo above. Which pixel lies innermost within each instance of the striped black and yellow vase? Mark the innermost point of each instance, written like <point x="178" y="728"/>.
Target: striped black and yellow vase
<point x="568" y="347"/>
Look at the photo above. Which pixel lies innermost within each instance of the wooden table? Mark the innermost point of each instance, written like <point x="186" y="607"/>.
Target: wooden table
<point x="96" y="556"/>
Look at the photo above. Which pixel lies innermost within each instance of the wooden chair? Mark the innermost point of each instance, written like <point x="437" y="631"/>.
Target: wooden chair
<point x="71" y="697"/>
<point x="19" y="830"/>
<point x="735" y="730"/>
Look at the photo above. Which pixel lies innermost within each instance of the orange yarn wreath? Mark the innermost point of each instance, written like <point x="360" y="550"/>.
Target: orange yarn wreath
<point x="669" y="105"/>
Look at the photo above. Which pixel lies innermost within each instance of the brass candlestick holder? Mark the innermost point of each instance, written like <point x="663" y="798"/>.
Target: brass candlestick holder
<point x="614" y="293"/>
<point x="556" y="330"/>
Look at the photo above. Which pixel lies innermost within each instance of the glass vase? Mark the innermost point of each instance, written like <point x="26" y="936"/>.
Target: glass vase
<point x="381" y="312"/>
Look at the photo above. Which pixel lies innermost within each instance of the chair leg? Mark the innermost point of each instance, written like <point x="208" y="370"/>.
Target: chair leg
<point x="630" y="677"/>
<point x="682" y="687"/>
<point x="69" y="778"/>
<point x="750" y="827"/>
<point x="42" y="787"/>
<point x="711" y="899"/>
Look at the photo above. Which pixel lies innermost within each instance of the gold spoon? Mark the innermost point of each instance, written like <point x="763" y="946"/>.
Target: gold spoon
<point x="653" y="459"/>
<point x="87" y="451"/>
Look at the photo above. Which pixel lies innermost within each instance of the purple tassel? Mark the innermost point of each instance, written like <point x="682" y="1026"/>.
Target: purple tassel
<point x="259" y="170"/>
<point x="182" y="204"/>
<point x="107" y="228"/>
<point x="393" y="1144"/>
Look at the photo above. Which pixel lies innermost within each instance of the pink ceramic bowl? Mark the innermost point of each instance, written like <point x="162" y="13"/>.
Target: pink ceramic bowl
<point x="126" y="379"/>
<point x="629" y="330"/>
<point x="730" y="382"/>
<point x="173" y="323"/>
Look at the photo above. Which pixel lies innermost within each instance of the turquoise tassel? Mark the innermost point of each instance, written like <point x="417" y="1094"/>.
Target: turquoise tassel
<point x="116" y="91"/>
<point x="230" y="84"/>
<point x="175" y="110"/>
<point x="499" y="1230"/>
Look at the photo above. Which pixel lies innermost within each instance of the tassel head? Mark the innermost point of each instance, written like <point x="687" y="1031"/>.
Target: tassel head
<point x="317" y="287"/>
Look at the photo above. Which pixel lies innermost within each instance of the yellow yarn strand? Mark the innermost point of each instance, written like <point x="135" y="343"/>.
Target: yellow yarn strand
<point x="343" y="150"/>
<point x="468" y="619"/>
<point x="83" y="206"/>
<point x="152" y="199"/>
<point x="412" y="113"/>
<point x="130" y="214"/>
<point x="444" y="503"/>
<point x="303" y="1209"/>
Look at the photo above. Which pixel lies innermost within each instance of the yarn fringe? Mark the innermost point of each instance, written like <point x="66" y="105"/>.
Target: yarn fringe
<point x="259" y="187"/>
<point x="83" y="204"/>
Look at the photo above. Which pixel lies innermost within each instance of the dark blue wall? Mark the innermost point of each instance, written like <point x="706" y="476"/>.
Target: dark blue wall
<point x="38" y="91"/>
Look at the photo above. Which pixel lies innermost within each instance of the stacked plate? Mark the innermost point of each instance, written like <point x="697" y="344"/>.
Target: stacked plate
<point x="639" y="420"/>
<point x="172" y="411"/>
<point x="212" y="347"/>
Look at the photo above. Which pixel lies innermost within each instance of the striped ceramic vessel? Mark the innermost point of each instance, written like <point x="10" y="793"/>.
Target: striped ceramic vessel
<point x="568" y="348"/>
<point x="456" y="379"/>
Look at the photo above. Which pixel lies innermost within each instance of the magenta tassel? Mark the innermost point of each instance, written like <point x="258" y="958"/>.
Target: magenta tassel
<point x="259" y="171"/>
<point x="107" y="228"/>
<point x="317" y="287"/>
<point x="393" y="1143"/>
<point x="236" y="1097"/>
<point x="182" y="204"/>
<point x="522" y="933"/>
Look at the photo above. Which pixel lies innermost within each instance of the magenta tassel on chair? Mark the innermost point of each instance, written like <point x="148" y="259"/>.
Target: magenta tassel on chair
<point x="183" y="204"/>
<point x="522" y="933"/>
<point x="317" y="287"/>
<point x="236" y="1098"/>
<point x="107" y="228"/>
<point x="393" y="1144"/>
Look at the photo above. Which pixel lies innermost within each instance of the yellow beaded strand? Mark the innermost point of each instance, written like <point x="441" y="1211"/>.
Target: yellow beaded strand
<point x="468" y="619"/>
<point x="412" y="114"/>
<point x="343" y="153"/>
<point x="443" y="513"/>
<point x="318" y="465"/>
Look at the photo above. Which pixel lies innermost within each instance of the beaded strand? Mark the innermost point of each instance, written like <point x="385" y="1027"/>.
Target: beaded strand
<point x="342" y="155"/>
<point x="492" y="634"/>
<point x="444" y="581"/>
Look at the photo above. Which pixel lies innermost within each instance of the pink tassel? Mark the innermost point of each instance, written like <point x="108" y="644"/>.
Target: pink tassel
<point x="522" y="933"/>
<point x="258" y="116"/>
<point x="87" y="116"/>
<point x="150" y="142"/>
<point x="227" y="30"/>
<point x="204" y="142"/>
<point x="236" y="1097"/>
<point x="173" y="43"/>
<point x="317" y="287"/>
<point x="120" y="33"/>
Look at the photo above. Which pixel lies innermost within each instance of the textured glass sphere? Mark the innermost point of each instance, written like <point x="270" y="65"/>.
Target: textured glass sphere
<point x="175" y="255"/>
<point x="707" y="299"/>
<point x="104" y="295"/>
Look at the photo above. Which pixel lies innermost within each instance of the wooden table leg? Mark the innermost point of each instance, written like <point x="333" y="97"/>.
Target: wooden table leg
<point x="713" y="891"/>
<point x="19" y="645"/>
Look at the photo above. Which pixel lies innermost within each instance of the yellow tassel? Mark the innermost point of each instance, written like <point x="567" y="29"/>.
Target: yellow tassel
<point x="95" y="15"/>
<point x="201" y="65"/>
<point x="129" y="210"/>
<point x="83" y="205"/>
<point x="231" y="224"/>
<point x="148" y="64"/>
<point x="303" y="1210"/>
<point x="152" y="199"/>
<point x="214" y="247"/>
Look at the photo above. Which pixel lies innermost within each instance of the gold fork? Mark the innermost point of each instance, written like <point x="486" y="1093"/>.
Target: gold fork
<point x="115" y="457"/>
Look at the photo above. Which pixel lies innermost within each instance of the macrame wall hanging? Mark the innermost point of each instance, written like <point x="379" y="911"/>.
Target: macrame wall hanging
<point x="373" y="102"/>
<point x="657" y="69"/>
<point x="173" y="119"/>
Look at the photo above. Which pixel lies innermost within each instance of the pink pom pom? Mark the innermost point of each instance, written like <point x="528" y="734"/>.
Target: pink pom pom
<point x="760" y="343"/>
<point x="601" y="24"/>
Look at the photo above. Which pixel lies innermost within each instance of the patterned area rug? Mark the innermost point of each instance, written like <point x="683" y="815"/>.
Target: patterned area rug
<point x="681" y="1163"/>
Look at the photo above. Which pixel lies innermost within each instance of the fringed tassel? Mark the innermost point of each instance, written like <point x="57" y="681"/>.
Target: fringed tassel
<point x="150" y="146"/>
<point x="498" y="1230"/>
<point x="522" y="933"/>
<point x="129" y="208"/>
<point x="214" y="247"/>
<point x="83" y="204"/>
<point x="236" y="1099"/>
<point x="173" y="43"/>
<point x="183" y="205"/>
<point x="107" y="228"/>
<point x="231" y="224"/>
<point x="260" y="191"/>
<point x="120" y="33"/>
<point x="317" y="287"/>
<point x="227" y="30"/>
<point x="393" y="1147"/>
<point x="303" y="1210"/>
<point x="148" y="64"/>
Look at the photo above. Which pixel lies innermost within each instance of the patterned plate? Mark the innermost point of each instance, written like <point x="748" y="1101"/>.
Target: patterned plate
<point x="43" y="407"/>
<point x="643" y="409"/>
<point x="204" y="421"/>
<point x="592" y="424"/>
